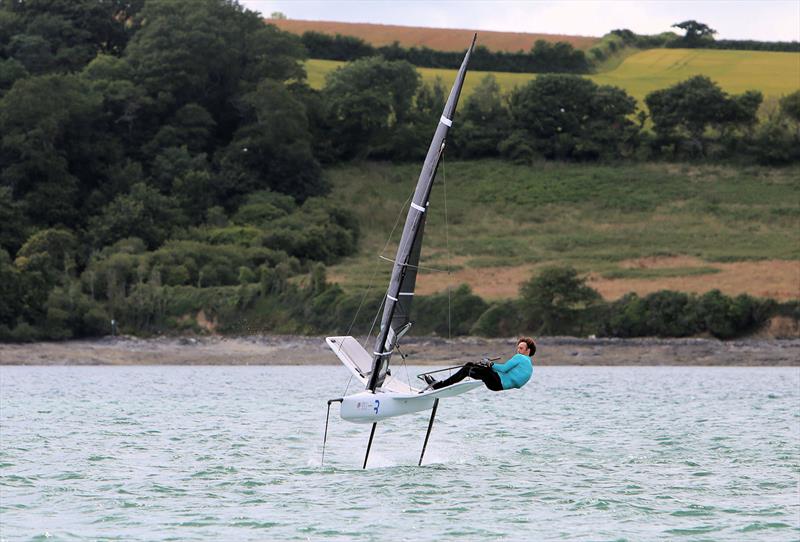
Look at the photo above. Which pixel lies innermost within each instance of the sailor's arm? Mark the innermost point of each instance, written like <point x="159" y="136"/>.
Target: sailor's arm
<point x="508" y="365"/>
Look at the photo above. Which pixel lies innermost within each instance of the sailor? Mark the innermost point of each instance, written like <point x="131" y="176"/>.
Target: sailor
<point x="514" y="373"/>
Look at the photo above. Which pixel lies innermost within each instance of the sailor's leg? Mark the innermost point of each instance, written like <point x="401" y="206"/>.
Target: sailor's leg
<point x="459" y="375"/>
<point x="488" y="376"/>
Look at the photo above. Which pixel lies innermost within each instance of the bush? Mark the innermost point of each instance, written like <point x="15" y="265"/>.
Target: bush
<point x="442" y="316"/>
<point x="502" y="319"/>
<point x="552" y="300"/>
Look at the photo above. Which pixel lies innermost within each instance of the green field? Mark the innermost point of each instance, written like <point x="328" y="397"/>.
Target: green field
<point x="593" y="217"/>
<point x="774" y="74"/>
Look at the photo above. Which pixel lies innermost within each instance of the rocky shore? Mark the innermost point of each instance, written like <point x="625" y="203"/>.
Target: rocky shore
<point x="299" y="350"/>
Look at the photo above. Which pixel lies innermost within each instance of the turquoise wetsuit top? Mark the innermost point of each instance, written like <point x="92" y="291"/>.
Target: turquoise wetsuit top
<point x="515" y="372"/>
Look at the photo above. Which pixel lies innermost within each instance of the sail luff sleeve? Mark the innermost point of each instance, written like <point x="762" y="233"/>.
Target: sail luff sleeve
<point x="412" y="229"/>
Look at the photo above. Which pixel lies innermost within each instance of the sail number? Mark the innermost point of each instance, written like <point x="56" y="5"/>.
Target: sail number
<point x="375" y="405"/>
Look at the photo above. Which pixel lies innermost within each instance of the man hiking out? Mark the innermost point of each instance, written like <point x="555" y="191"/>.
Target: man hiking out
<point x="514" y="373"/>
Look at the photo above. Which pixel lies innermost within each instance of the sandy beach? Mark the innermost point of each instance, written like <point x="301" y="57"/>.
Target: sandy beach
<point x="300" y="350"/>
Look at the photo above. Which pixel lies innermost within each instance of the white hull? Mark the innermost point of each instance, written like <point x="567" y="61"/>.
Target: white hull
<point x="394" y="398"/>
<point x="368" y="407"/>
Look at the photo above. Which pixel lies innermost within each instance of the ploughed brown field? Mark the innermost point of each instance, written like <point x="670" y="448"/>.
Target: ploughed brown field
<point x="776" y="279"/>
<point x="440" y="39"/>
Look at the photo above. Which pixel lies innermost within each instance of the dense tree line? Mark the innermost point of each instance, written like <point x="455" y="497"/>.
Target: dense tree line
<point x="700" y="36"/>
<point x="543" y="57"/>
<point x="379" y="109"/>
<point x="696" y="37"/>
<point x="162" y="158"/>
<point x="149" y="145"/>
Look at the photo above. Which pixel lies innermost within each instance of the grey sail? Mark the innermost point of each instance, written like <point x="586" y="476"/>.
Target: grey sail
<point x="401" y="286"/>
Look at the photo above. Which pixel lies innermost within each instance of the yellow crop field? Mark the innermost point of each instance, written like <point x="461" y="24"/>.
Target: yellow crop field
<point x="775" y="74"/>
<point x="772" y="73"/>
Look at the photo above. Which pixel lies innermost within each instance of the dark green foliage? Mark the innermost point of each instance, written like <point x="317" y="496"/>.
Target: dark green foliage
<point x="676" y="314"/>
<point x="559" y="57"/>
<point x="10" y="291"/>
<point x="409" y="141"/>
<point x="272" y="147"/>
<point x="319" y="231"/>
<point x="261" y="208"/>
<point x="503" y="319"/>
<point x="367" y="100"/>
<point x="569" y="117"/>
<point x="14" y="221"/>
<point x="336" y="47"/>
<point x="11" y="70"/>
<point x="726" y="317"/>
<point x="144" y="213"/>
<point x="790" y="106"/>
<point x="683" y="113"/>
<point x="64" y="35"/>
<point x="484" y="122"/>
<point x="697" y="34"/>
<point x="203" y="51"/>
<point x="750" y="45"/>
<point x="49" y="154"/>
<point x="445" y="317"/>
<point x="552" y="300"/>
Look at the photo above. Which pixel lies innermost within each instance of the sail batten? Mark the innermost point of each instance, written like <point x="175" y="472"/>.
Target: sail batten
<point x="399" y="295"/>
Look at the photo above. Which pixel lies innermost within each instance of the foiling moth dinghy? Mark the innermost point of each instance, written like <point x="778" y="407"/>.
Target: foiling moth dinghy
<point x="385" y="395"/>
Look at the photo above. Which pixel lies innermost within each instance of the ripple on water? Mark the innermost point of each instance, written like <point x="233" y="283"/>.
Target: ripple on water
<point x="760" y="526"/>
<point x="676" y="455"/>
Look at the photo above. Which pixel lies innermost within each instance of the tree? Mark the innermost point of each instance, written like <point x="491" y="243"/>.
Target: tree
<point x="483" y="119"/>
<point x="696" y="33"/>
<point x="408" y="141"/>
<point x="15" y="224"/>
<point x="790" y="106"/>
<point x="272" y="147"/>
<point x="552" y="299"/>
<point x="684" y="111"/>
<point x="143" y="213"/>
<point x="569" y="117"/>
<point x="366" y="99"/>
<point x="64" y="35"/>
<point x="51" y="154"/>
<point x="10" y="291"/>
<point x="206" y="52"/>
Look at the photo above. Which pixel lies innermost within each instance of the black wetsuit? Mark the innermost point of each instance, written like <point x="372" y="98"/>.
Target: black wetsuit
<point x="476" y="371"/>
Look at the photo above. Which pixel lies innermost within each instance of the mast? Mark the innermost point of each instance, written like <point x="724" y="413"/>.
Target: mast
<point x="404" y="272"/>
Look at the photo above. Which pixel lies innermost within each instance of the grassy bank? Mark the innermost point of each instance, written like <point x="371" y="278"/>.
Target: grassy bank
<point x="508" y="220"/>
<point x="773" y="73"/>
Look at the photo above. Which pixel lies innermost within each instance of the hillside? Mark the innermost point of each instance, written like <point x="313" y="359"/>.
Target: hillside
<point x="441" y="39"/>
<point x="632" y="227"/>
<point x="774" y="74"/>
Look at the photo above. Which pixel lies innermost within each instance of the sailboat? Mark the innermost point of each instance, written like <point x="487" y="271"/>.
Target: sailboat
<point x="385" y="395"/>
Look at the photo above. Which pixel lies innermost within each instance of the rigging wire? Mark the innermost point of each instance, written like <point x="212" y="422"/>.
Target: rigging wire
<point x="375" y="270"/>
<point x="347" y="387"/>
<point x="447" y="249"/>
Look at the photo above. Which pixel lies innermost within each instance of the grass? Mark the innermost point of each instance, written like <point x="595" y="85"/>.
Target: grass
<point x="589" y="216"/>
<point x="773" y="73"/>
<point x="628" y="273"/>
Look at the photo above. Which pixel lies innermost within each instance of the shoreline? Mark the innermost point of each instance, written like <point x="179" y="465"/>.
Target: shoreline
<point x="305" y="350"/>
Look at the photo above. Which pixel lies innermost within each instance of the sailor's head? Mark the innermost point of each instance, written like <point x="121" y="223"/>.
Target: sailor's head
<point x="526" y="346"/>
